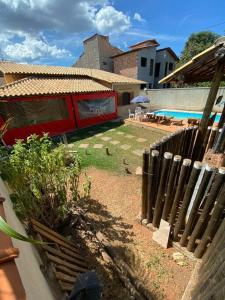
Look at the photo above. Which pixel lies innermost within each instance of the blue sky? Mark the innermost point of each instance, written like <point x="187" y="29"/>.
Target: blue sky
<point x="52" y="31"/>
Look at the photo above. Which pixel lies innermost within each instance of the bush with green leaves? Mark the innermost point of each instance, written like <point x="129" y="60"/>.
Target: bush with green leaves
<point x="44" y="180"/>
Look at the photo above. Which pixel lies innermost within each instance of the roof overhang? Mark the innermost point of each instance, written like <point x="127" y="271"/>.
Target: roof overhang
<point x="201" y="67"/>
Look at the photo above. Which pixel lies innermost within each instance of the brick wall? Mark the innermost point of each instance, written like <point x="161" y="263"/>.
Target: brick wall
<point x="126" y="65"/>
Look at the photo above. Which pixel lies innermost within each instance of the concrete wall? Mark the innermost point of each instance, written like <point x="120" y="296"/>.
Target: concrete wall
<point x="192" y="99"/>
<point x="143" y="72"/>
<point x="28" y="262"/>
<point x="133" y="89"/>
<point x="163" y="57"/>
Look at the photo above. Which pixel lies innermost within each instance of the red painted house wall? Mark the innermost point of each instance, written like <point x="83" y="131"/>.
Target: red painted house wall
<point x="57" y="127"/>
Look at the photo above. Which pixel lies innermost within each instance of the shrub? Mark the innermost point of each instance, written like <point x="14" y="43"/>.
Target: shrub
<point x="43" y="180"/>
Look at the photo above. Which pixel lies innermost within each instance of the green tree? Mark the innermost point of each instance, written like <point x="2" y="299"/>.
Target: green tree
<point x="196" y="43"/>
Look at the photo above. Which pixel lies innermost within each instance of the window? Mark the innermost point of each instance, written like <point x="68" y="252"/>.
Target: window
<point x="151" y="67"/>
<point x="150" y="85"/>
<point x="166" y="67"/>
<point x="143" y="61"/>
<point x="38" y="111"/>
<point x="104" y="63"/>
<point x="157" y="69"/>
<point x="171" y="66"/>
<point x="143" y="86"/>
<point x="96" y="107"/>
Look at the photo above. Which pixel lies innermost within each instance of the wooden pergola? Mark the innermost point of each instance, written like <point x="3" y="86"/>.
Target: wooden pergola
<point x="208" y="65"/>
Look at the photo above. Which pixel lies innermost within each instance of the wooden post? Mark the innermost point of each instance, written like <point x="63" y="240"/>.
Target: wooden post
<point x="161" y="191"/>
<point x="197" y="201"/>
<point x="206" y="139"/>
<point x="187" y="197"/>
<point x="144" y="184"/>
<point x="218" y="75"/>
<point x="218" y="182"/>
<point x="212" y="138"/>
<point x="218" y="147"/>
<point x="180" y="189"/>
<point x="212" y="225"/>
<point x="222" y="118"/>
<point x="192" y="142"/>
<point x="152" y="188"/>
<point x="171" y="186"/>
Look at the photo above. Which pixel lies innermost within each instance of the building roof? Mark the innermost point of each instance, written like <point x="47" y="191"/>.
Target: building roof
<point x="32" y="86"/>
<point x="94" y="35"/>
<point x="148" y="43"/>
<point x="14" y="68"/>
<point x="170" y="51"/>
<point x="201" y="67"/>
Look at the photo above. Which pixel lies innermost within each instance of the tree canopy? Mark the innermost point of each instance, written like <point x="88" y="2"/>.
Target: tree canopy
<point x="196" y="43"/>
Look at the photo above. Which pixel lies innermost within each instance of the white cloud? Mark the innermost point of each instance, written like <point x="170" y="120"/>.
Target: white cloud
<point x="109" y="20"/>
<point x="138" y="17"/>
<point x="32" y="48"/>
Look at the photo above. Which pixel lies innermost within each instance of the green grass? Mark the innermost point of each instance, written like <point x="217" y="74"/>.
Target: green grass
<point x="113" y="162"/>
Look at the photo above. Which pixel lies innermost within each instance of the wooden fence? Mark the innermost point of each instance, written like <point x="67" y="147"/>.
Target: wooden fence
<point x="211" y="276"/>
<point x="188" y="194"/>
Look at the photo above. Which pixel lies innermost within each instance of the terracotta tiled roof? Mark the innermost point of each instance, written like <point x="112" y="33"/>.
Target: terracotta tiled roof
<point x="47" y="86"/>
<point x="13" y="68"/>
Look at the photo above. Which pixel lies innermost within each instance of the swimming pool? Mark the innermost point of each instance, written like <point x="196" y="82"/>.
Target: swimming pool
<point x="182" y="114"/>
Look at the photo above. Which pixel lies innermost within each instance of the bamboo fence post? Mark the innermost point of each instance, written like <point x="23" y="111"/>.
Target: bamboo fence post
<point x="221" y="137"/>
<point x="212" y="138"/>
<point x="187" y="140"/>
<point x="152" y="188"/>
<point x="192" y="142"/>
<point x="187" y="197"/>
<point x="144" y="184"/>
<point x="213" y="223"/>
<point x="180" y="189"/>
<point x="161" y="191"/>
<point x="204" y="216"/>
<point x="206" y="139"/>
<point x="171" y="186"/>
<point x="197" y="201"/>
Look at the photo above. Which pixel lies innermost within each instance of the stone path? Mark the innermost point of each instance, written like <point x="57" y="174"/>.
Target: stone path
<point x="99" y="134"/>
<point x="129" y="136"/>
<point x="141" y="140"/>
<point x="125" y="147"/>
<point x="84" y="146"/>
<point x="138" y="152"/>
<point x="106" y="138"/>
<point x="115" y="142"/>
<point x="120" y="132"/>
<point x="98" y="146"/>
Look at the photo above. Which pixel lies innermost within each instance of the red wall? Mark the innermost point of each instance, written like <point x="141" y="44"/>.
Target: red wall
<point x="60" y="126"/>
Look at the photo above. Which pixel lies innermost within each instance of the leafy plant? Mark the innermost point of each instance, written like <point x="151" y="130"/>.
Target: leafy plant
<point x="8" y="230"/>
<point x="44" y="180"/>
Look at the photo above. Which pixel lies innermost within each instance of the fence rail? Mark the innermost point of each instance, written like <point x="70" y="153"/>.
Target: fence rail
<point x="189" y="194"/>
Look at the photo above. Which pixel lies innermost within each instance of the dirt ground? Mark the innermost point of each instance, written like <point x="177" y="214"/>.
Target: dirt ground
<point x="113" y="208"/>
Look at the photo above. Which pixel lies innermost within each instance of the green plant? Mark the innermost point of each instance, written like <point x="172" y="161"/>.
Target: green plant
<point x="44" y="180"/>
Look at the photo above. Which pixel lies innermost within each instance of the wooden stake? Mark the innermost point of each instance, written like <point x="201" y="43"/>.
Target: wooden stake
<point x="171" y="186"/>
<point x="194" y="210"/>
<point x="187" y="197"/>
<point x="152" y="188"/>
<point x="160" y="195"/>
<point x="206" y="139"/>
<point x="222" y="118"/>
<point x="204" y="217"/>
<point x="144" y="184"/>
<point x="185" y="168"/>
<point x="212" y="225"/>
<point x="212" y="138"/>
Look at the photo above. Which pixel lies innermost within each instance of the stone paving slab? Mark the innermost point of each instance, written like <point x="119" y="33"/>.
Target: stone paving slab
<point x="84" y="146"/>
<point x="98" y="146"/>
<point x="141" y="140"/>
<point x="129" y="136"/>
<point x="113" y="129"/>
<point x="120" y="132"/>
<point x="99" y="134"/>
<point x="106" y="138"/>
<point x="137" y="152"/>
<point x="115" y="142"/>
<point x="125" y="147"/>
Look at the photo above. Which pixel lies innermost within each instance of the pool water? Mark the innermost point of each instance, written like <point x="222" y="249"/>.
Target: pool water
<point x="181" y="114"/>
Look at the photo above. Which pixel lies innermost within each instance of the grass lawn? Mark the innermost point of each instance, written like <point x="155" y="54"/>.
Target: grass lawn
<point x="125" y="136"/>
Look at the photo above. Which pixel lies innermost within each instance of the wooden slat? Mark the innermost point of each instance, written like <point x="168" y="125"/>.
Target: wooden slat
<point x="54" y="238"/>
<point x="65" y="277"/>
<point x="65" y="263"/>
<point x="66" y="270"/>
<point x="63" y="255"/>
<point x="66" y="286"/>
<point x="52" y="232"/>
<point x="71" y="253"/>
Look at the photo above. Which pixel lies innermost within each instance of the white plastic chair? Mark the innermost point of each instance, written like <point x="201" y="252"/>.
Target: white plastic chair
<point x="131" y="115"/>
